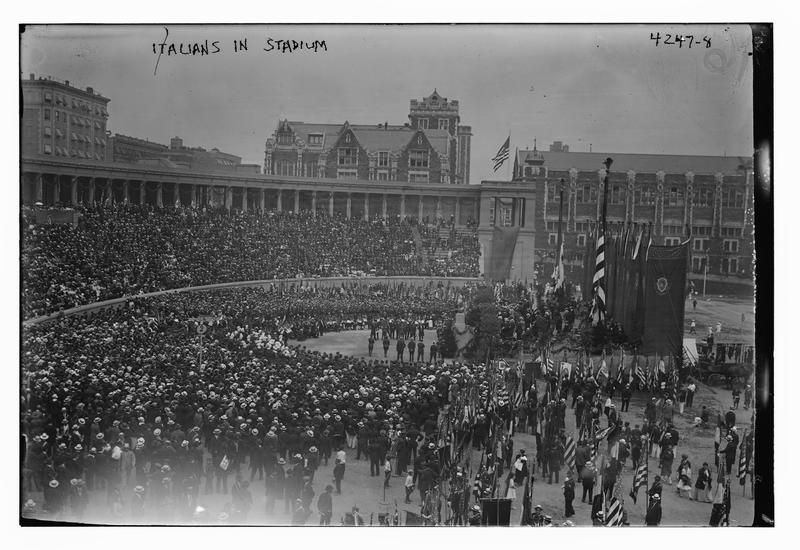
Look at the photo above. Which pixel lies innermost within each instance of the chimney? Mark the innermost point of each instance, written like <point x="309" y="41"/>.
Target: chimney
<point x="32" y="77"/>
<point x="66" y="82"/>
<point x="89" y="90"/>
<point x="175" y="143"/>
<point x="386" y="125"/>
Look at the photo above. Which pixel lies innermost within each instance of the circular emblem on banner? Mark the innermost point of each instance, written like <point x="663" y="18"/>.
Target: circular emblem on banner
<point x="662" y="285"/>
<point x="202" y="329"/>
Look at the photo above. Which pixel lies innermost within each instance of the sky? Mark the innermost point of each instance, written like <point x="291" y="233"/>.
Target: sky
<point x="613" y="88"/>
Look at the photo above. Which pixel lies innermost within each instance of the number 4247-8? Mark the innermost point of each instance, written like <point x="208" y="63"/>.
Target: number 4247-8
<point x="680" y="39"/>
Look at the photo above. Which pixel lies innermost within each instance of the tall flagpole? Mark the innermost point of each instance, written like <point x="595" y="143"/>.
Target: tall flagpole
<point x="559" y="241"/>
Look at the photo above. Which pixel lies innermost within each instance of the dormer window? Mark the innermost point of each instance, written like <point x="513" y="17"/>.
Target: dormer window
<point x="444" y="124"/>
<point x="347" y="138"/>
<point x="315" y="139"/>
<point x="285" y="139"/>
<point x="422" y="123"/>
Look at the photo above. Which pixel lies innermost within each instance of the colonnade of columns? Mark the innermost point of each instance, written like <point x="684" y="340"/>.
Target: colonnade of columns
<point x="50" y="189"/>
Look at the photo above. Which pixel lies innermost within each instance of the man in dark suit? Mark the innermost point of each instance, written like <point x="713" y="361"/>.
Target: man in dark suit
<point x="325" y="506"/>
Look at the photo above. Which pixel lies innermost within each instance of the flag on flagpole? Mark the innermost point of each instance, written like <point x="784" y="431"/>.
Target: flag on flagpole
<point x="502" y="154"/>
<point x="641" y="376"/>
<point x="558" y="273"/>
<point x="598" y="314"/>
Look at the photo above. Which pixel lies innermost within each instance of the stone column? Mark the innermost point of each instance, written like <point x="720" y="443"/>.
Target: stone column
<point x="366" y="206"/>
<point x="57" y="189"/>
<point x="402" y="206"/>
<point x="73" y="191"/>
<point x="244" y="199"/>
<point x="314" y="204"/>
<point x="228" y="198"/>
<point x="38" y="189"/>
<point x="458" y="211"/>
<point x="194" y="195"/>
<point x="126" y="191"/>
<point x="330" y="203"/>
<point x="91" y="191"/>
<point x="438" y="207"/>
<point x="280" y="200"/>
<point x="384" y="206"/>
<point x="349" y="205"/>
<point x="142" y="191"/>
<point x="160" y="195"/>
<point x="262" y="200"/>
<point x="296" y="201"/>
<point x="420" y="210"/>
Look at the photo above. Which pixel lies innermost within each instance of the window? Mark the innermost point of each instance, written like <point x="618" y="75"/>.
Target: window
<point x="506" y="216"/>
<point x="47" y="148"/>
<point x="730" y="245"/>
<point x="732" y="198"/>
<point x="418" y="159"/>
<point x="586" y="194"/>
<point x="383" y="159"/>
<point x="733" y="265"/>
<point x="383" y="175"/>
<point x="700" y="244"/>
<point x="553" y="194"/>
<point x="697" y="264"/>
<point x="675" y="197"/>
<point x="704" y="230"/>
<point x="47" y="114"/>
<point x="422" y="123"/>
<point x="672" y="241"/>
<point x="617" y="195"/>
<point x="48" y="131"/>
<point x="491" y="215"/>
<point x="581" y="240"/>
<point x="284" y="168"/>
<point x="552" y="239"/>
<point x="348" y="156"/>
<point x="531" y="171"/>
<point x="730" y="231"/>
<point x="646" y="195"/>
<point x="418" y="177"/>
<point x="311" y="169"/>
<point x="315" y="139"/>
<point x="704" y="196"/>
<point x="582" y="227"/>
<point x="444" y="124"/>
<point x="579" y="257"/>
<point x="673" y="230"/>
<point x="48" y="97"/>
<point x="347" y="174"/>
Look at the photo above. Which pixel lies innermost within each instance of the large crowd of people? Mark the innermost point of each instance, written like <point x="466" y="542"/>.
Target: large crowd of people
<point x="123" y="250"/>
<point x="128" y="401"/>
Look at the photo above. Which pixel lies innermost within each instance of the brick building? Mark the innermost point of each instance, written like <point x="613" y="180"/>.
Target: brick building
<point x="432" y="148"/>
<point x="711" y="195"/>
<point x="127" y="149"/>
<point x="61" y="120"/>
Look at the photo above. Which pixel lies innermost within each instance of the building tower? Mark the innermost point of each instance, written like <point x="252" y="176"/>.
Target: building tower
<point x="437" y="113"/>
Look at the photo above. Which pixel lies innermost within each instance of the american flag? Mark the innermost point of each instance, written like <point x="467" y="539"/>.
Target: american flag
<point x="569" y="453"/>
<point x="639" y="479"/>
<point x="599" y="436"/>
<point x="502" y="154"/>
<point x="641" y="376"/>
<point x="614" y="516"/>
<point x="598" y="281"/>
<point x="743" y="462"/>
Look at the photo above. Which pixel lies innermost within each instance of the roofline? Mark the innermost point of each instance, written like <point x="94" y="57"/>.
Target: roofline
<point x="70" y="89"/>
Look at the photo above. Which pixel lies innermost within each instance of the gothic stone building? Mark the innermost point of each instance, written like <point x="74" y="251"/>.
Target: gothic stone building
<point x="708" y="199"/>
<point x="432" y="148"/>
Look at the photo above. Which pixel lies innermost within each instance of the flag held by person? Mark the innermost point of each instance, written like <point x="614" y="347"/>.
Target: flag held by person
<point x="639" y="480"/>
<point x="569" y="453"/>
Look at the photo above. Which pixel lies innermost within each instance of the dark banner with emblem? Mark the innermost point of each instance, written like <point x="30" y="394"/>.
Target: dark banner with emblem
<point x="664" y="299"/>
